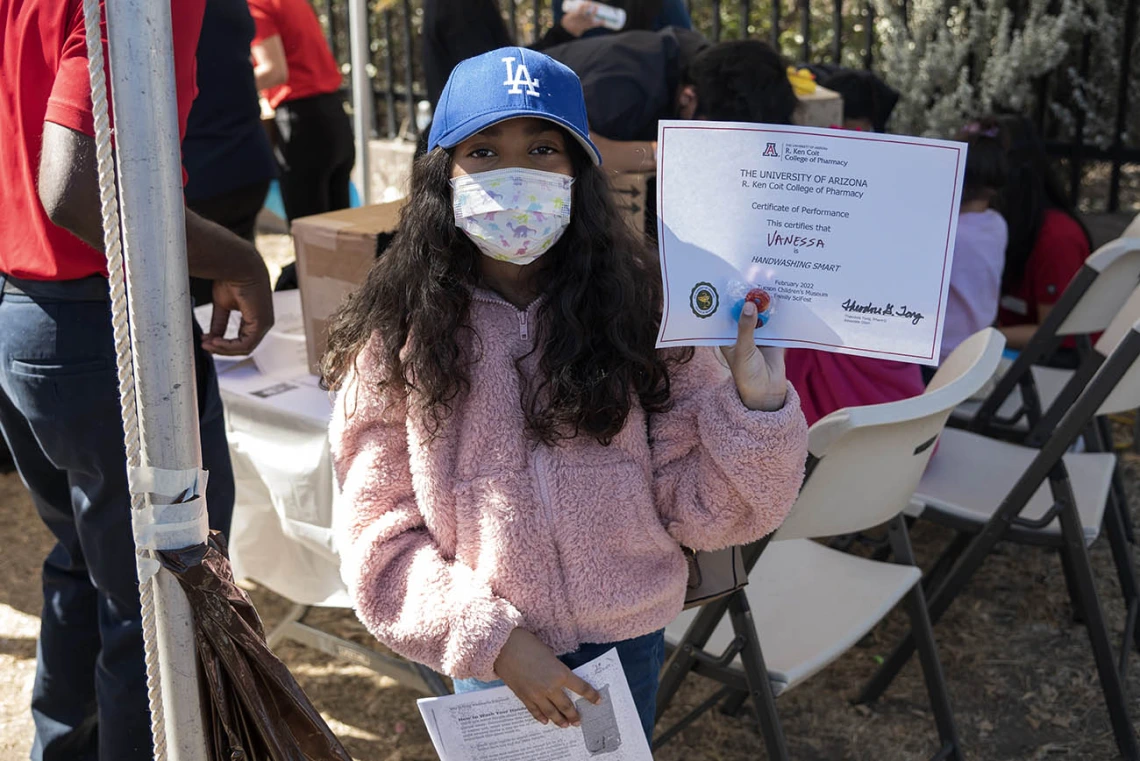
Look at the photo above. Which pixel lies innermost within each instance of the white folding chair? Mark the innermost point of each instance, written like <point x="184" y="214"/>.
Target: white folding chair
<point x="993" y="491"/>
<point x="806" y="603"/>
<point x="1133" y="229"/>
<point x="1027" y="392"/>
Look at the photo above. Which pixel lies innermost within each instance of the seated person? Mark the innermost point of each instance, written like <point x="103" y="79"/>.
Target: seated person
<point x="979" y="250"/>
<point x="867" y="100"/>
<point x="633" y="79"/>
<point x="1047" y="242"/>
<point x="827" y="382"/>
<point x="642" y="14"/>
<point x="454" y="30"/>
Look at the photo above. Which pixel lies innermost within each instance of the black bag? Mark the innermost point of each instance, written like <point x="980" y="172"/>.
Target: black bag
<point x="713" y="575"/>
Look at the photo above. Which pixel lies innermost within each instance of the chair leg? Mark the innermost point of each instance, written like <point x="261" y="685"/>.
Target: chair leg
<point x="1103" y="442"/>
<point x="681" y="662"/>
<point x="1070" y="584"/>
<point x="1126" y="572"/>
<point x="280" y="633"/>
<point x="433" y="680"/>
<point x="938" y="601"/>
<point x="915" y="603"/>
<point x="945" y="561"/>
<point x="733" y="704"/>
<point x="759" y="684"/>
<point x="1089" y="603"/>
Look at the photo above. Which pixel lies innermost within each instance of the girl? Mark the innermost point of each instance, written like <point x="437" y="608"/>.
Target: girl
<point x="1047" y="243"/>
<point x="979" y="250"/>
<point x="518" y="466"/>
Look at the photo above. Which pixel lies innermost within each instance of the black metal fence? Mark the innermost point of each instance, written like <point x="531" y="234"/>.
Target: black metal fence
<point x="805" y="31"/>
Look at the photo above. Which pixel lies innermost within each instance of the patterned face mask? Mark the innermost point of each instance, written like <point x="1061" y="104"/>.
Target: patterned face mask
<point x="512" y="215"/>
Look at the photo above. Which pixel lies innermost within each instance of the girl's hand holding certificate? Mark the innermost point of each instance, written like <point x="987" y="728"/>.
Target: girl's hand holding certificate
<point x="758" y="372"/>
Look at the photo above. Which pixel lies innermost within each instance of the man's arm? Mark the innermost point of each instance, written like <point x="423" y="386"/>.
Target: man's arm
<point x="68" y="187"/>
<point x="623" y="156"/>
<point x="269" y="66"/>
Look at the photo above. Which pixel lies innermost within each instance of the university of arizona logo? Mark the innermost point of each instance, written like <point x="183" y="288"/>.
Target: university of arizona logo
<point x="518" y="77"/>
<point x="769" y="150"/>
<point x="704" y="300"/>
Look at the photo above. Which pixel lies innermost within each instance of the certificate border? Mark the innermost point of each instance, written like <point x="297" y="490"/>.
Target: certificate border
<point x="775" y="128"/>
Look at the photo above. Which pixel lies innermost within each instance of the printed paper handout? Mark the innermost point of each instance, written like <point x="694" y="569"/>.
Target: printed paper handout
<point x="493" y="725"/>
<point x="843" y="239"/>
<point x="276" y="373"/>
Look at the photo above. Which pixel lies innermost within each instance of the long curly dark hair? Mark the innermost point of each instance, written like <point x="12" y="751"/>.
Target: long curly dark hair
<point x="597" y="324"/>
<point x="1032" y="188"/>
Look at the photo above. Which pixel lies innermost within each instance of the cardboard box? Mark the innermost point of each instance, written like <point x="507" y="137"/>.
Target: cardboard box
<point x="334" y="253"/>
<point x="822" y="108"/>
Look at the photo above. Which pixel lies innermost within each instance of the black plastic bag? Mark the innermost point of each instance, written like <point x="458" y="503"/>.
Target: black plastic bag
<point x="253" y="708"/>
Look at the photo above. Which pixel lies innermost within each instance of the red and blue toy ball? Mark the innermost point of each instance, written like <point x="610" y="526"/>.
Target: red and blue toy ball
<point x="763" y="301"/>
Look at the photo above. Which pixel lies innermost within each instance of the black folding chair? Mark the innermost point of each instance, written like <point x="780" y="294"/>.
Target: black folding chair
<point x="1015" y="408"/>
<point x="1066" y="515"/>
<point x="808" y="603"/>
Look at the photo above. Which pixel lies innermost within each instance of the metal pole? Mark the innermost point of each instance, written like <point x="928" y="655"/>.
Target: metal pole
<point x="389" y="76"/>
<point x="869" y="53"/>
<point x="775" y="31"/>
<point x="1126" y="59"/>
<point x="409" y="70"/>
<point x="330" y="16"/>
<point x="154" y="243"/>
<point x="805" y="29"/>
<point x="837" y="24"/>
<point x="362" y="104"/>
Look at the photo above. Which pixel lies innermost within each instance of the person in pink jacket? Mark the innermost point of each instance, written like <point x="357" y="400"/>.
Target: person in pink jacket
<point x="518" y="467"/>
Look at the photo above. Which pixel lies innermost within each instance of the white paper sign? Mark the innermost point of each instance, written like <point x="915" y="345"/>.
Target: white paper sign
<point x="851" y="233"/>
<point x="494" y="725"/>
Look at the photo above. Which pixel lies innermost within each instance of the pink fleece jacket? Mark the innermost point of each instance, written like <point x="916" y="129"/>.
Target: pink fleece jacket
<point x="449" y="545"/>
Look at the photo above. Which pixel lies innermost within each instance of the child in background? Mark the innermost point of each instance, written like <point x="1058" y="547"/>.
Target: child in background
<point x="518" y="465"/>
<point x="828" y="382"/>
<point x="979" y="251"/>
<point x="868" y="101"/>
<point x="1048" y="244"/>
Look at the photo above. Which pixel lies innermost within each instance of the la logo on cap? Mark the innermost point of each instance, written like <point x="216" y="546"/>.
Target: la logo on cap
<point x="519" y="77"/>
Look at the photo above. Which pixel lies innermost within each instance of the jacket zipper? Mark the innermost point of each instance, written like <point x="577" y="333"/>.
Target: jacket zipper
<point x="523" y="330"/>
<point x="539" y="461"/>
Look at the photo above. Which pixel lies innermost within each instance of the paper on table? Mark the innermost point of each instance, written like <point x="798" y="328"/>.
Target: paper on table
<point x="276" y="373"/>
<point x="493" y="725"/>
<point x="279" y="346"/>
<point x="851" y="233"/>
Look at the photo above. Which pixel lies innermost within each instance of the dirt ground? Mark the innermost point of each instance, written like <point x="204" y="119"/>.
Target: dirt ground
<point x="1020" y="672"/>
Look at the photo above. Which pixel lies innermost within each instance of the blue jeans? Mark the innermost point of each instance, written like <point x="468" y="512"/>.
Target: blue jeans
<point x="60" y="416"/>
<point x="641" y="659"/>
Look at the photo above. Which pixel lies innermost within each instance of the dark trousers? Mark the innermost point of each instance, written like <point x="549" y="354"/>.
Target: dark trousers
<point x="60" y="416"/>
<point x="316" y="151"/>
<point x="236" y="211"/>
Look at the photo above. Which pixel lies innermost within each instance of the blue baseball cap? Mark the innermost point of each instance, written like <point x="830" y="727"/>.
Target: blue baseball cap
<point x="506" y="84"/>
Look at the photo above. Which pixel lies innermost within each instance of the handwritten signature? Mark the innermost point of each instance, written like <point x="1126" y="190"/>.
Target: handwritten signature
<point x="887" y="310"/>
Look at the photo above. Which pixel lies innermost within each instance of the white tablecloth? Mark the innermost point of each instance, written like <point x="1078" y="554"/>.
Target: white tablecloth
<point x="277" y="420"/>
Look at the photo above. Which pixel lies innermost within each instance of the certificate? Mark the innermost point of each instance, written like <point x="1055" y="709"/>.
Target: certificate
<point x="844" y="240"/>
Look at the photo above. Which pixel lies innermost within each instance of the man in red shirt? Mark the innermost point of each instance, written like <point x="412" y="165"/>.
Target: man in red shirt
<point x="297" y="73"/>
<point x="59" y="407"/>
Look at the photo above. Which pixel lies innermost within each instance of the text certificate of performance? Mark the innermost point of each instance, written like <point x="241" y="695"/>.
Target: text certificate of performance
<point x="844" y="240"/>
